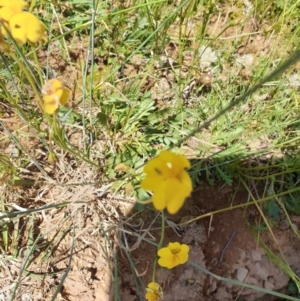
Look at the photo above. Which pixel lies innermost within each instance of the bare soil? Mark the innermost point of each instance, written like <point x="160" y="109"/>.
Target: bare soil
<point x="99" y="247"/>
<point x="244" y="259"/>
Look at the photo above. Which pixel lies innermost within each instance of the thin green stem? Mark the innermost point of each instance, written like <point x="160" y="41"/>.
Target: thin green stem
<point x="162" y="237"/>
<point x="52" y="130"/>
<point x="144" y="202"/>
<point x="30" y="80"/>
<point x="38" y="66"/>
<point x="154" y="270"/>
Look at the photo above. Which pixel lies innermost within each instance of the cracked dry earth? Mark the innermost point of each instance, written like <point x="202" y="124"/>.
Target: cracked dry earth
<point x="244" y="259"/>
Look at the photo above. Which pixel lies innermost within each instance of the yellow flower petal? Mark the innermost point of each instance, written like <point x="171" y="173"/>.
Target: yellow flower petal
<point x="64" y="97"/>
<point x="167" y="262"/>
<point x="173" y="255"/>
<point x="175" y="204"/>
<point x="170" y="193"/>
<point x="55" y="94"/>
<point x="58" y="94"/>
<point x="164" y="252"/>
<point x="20" y="37"/>
<point x="159" y="198"/>
<point x="154" y="286"/>
<point x="8" y="8"/>
<point x="149" y="182"/>
<point x="158" y="168"/>
<point x="177" y="161"/>
<point x="56" y="84"/>
<point x="25" y="27"/>
<point x="167" y="179"/>
<point x="174" y="246"/>
<point x="185" y="180"/>
<point x="50" y="104"/>
<point x="154" y="292"/>
<point x="183" y="256"/>
<point x="164" y="193"/>
<point x="178" y="196"/>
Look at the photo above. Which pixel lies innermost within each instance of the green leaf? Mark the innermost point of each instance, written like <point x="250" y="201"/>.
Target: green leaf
<point x="68" y="116"/>
<point x="102" y="118"/>
<point x="224" y="176"/>
<point x="292" y="288"/>
<point x="273" y="210"/>
<point x="227" y="138"/>
<point x="141" y="195"/>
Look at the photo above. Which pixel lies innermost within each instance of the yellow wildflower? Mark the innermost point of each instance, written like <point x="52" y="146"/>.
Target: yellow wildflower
<point x="167" y="179"/>
<point x="8" y="8"/>
<point x="154" y="292"/>
<point x="173" y="255"/>
<point x="55" y="94"/>
<point x="27" y="27"/>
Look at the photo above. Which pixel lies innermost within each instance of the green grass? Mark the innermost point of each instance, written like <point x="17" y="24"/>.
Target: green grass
<point x="112" y="57"/>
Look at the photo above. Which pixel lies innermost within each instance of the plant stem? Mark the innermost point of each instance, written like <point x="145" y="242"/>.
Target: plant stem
<point x="37" y="64"/>
<point x="162" y="230"/>
<point x="162" y="237"/>
<point x="51" y="131"/>
<point x="30" y="79"/>
<point x="154" y="270"/>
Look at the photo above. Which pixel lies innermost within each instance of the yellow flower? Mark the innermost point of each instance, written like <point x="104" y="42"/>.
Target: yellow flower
<point x="25" y="27"/>
<point x="167" y="179"/>
<point x="154" y="292"/>
<point x="173" y="255"/>
<point x="55" y="94"/>
<point x="8" y="8"/>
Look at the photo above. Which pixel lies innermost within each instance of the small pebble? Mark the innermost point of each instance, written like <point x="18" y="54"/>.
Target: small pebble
<point x="241" y="274"/>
